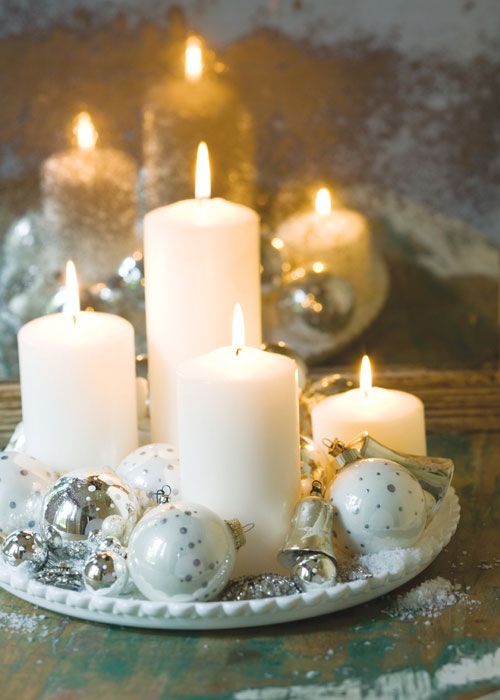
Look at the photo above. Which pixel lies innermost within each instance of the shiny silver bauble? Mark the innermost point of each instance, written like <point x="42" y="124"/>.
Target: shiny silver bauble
<point x="314" y="571"/>
<point x="106" y="573"/>
<point x="320" y="299"/>
<point x="79" y="504"/>
<point x="26" y="548"/>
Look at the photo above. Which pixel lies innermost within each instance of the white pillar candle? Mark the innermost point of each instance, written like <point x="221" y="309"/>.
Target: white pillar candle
<point x="201" y="258"/>
<point x="239" y="444"/>
<point x="78" y="388"/>
<point x="394" y="418"/>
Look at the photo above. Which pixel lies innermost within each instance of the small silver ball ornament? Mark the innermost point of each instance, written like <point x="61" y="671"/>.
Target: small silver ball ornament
<point x="25" y="548"/>
<point x="106" y="573"/>
<point x="76" y="507"/>
<point x="322" y="300"/>
<point x="314" y="571"/>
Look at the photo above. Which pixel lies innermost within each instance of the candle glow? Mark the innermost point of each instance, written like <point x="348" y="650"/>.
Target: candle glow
<point x="323" y="202"/>
<point x="193" y="59"/>
<point x="72" y="303"/>
<point x="202" y="188"/>
<point x="365" y="375"/>
<point x="85" y="132"/>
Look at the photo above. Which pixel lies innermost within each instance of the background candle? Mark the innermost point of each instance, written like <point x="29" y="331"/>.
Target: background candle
<point x="394" y="418"/>
<point x="78" y="389"/>
<point x="90" y="204"/>
<point x="182" y="110"/>
<point x="201" y="257"/>
<point x="239" y="444"/>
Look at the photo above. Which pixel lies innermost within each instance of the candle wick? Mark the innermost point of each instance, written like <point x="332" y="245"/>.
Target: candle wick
<point x="73" y="316"/>
<point x="238" y="350"/>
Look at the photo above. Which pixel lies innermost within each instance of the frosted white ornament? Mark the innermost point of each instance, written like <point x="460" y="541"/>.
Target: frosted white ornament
<point x="378" y="505"/>
<point x="149" y="469"/>
<point x="23" y="483"/>
<point x="181" y="552"/>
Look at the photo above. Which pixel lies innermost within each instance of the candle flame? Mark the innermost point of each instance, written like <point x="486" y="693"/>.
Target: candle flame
<point x="193" y="59"/>
<point x="238" y="328"/>
<point x="323" y="202"/>
<point x="72" y="303"/>
<point x="365" y="375"/>
<point x="202" y="187"/>
<point x="85" y="131"/>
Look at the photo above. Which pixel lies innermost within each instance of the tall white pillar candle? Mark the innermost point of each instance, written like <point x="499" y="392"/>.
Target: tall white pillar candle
<point x="78" y="389"/>
<point x="239" y="444"/>
<point x="394" y="418"/>
<point x="201" y="258"/>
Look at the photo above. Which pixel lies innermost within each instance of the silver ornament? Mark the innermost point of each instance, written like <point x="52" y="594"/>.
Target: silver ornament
<point x="182" y="552"/>
<point x="261" y="586"/>
<point x="315" y="465"/>
<point x="25" y="548"/>
<point x="281" y="348"/>
<point x="61" y="574"/>
<point x="106" y="573"/>
<point x="309" y="541"/>
<point x="78" y="505"/>
<point x="321" y="299"/>
<point x="313" y="571"/>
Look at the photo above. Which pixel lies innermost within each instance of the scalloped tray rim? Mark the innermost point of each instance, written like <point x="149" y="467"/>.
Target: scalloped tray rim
<point x="131" y="612"/>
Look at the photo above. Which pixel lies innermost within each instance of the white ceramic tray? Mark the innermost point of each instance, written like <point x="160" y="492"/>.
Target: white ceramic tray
<point x="130" y="612"/>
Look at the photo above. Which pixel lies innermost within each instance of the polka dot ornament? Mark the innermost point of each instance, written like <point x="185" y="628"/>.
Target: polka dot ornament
<point x="181" y="552"/>
<point x="149" y="469"/>
<point x="23" y="483"/>
<point x="378" y="505"/>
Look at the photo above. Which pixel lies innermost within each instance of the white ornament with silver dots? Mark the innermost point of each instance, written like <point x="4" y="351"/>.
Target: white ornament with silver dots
<point x="149" y="469"/>
<point x="378" y="505"/>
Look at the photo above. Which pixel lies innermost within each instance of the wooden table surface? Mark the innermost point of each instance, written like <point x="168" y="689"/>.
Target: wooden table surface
<point x="358" y="653"/>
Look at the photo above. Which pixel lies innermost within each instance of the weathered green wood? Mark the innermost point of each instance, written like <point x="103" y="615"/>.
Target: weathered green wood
<point x="350" y="654"/>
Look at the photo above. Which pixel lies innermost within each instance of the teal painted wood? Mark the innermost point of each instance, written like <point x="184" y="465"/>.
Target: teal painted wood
<point x="357" y="653"/>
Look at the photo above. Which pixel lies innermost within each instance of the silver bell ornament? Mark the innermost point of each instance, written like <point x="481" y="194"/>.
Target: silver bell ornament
<point x="309" y="542"/>
<point x="315" y="465"/>
<point x="23" y="483"/>
<point x="183" y="552"/>
<point x="25" y="548"/>
<point x="320" y="299"/>
<point x="378" y="504"/>
<point x="149" y="469"/>
<point x="78" y="506"/>
<point x="105" y="573"/>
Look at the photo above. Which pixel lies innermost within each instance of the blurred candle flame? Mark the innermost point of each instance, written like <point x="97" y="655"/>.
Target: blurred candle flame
<point x="202" y="187"/>
<point x="323" y="202"/>
<point x="365" y="375"/>
<point x="238" y="328"/>
<point x="193" y="59"/>
<point x="85" y="131"/>
<point x="72" y="303"/>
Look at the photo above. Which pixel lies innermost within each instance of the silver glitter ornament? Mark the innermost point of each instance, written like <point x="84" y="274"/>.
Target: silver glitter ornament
<point x="79" y="504"/>
<point x="261" y="586"/>
<point x="309" y="540"/>
<point x="106" y="573"/>
<point x="25" y="548"/>
<point x="60" y="574"/>
<point x="321" y="299"/>
<point x="313" y="571"/>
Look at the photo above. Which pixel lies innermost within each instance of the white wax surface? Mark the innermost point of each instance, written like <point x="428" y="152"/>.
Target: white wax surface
<point x="239" y="445"/>
<point x="394" y="418"/>
<point x="201" y="258"/>
<point x="78" y="390"/>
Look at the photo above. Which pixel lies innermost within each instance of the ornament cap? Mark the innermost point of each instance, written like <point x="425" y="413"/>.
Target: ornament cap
<point x="347" y="456"/>
<point x="238" y="531"/>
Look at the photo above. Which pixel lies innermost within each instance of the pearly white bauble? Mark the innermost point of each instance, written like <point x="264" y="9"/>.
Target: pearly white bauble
<point x="378" y="505"/>
<point x="149" y="469"/>
<point x="23" y="483"/>
<point x="181" y="552"/>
